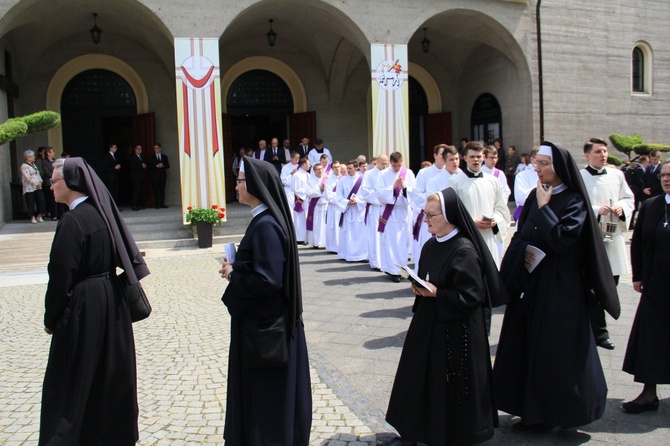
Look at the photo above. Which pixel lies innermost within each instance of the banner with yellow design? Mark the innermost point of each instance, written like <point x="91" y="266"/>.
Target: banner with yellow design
<point x="199" y="122"/>
<point x="390" y="100"/>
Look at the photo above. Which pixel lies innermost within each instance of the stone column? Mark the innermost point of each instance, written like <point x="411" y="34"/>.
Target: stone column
<point x="199" y="122"/>
<point x="390" y="100"/>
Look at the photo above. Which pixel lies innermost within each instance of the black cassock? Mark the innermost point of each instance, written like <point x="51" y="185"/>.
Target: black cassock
<point x="90" y="393"/>
<point x="547" y="369"/>
<point x="442" y="389"/>
<point x="648" y="353"/>
<point x="265" y="406"/>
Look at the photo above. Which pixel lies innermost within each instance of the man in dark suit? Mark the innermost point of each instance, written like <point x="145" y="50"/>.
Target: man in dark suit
<point x="138" y="170"/>
<point x="275" y="155"/>
<point x="652" y="180"/>
<point x="158" y="166"/>
<point x="111" y="169"/>
<point x="304" y="148"/>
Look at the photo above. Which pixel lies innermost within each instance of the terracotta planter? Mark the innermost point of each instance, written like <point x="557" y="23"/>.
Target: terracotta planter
<point x="204" y="234"/>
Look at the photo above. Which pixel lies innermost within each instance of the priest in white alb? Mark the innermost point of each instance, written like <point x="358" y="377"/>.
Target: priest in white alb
<point x="352" y="245"/>
<point x="286" y="175"/>
<point x="316" y="208"/>
<point x="333" y="212"/>
<point x="393" y="187"/>
<point x="524" y="182"/>
<point x="373" y="208"/>
<point x="300" y="187"/>
<point x="441" y="181"/>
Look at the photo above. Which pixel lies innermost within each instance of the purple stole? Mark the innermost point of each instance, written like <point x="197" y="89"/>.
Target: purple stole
<point x="517" y="213"/>
<point x="297" y="206"/>
<point x="496" y="172"/>
<point x="389" y="207"/>
<point x="417" y="226"/>
<point x="312" y="206"/>
<point x="328" y="169"/>
<point x="257" y="154"/>
<point x="354" y="189"/>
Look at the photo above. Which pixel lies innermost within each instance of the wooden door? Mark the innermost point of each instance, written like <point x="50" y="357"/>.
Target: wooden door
<point x="302" y="124"/>
<point x="438" y="131"/>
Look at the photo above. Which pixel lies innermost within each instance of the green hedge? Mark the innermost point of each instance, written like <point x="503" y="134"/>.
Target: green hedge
<point x="625" y="144"/>
<point x="613" y="160"/>
<point x="37" y="122"/>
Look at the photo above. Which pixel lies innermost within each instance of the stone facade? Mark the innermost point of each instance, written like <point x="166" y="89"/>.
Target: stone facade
<point x="477" y="47"/>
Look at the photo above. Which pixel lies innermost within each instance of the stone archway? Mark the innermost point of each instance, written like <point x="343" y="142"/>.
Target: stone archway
<point x="88" y="62"/>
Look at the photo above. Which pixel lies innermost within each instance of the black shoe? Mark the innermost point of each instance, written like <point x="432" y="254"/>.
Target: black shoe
<point x="632" y="407"/>
<point x="158" y="207"/>
<point x="522" y="428"/>
<point x="606" y="344"/>
<point x="136" y="209"/>
<point x="164" y="207"/>
<point x="395" y="278"/>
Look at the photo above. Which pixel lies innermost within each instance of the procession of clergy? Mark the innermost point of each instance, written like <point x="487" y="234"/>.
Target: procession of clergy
<point x="375" y="213"/>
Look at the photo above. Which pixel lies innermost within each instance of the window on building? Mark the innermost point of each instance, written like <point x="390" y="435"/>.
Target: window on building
<point x="641" y="69"/>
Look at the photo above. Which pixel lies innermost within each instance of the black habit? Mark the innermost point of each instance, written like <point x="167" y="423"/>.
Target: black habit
<point x="267" y="406"/>
<point x="648" y="353"/>
<point x="89" y="392"/>
<point x="442" y="389"/>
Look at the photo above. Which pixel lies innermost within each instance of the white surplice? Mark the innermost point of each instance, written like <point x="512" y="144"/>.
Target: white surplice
<point x="417" y="201"/>
<point x="317" y="236"/>
<point x="286" y="176"/>
<point x="524" y="182"/>
<point x="603" y="189"/>
<point x="484" y="196"/>
<point x="300" y="186"/>
<point x="332" y="214"/>
<point x="369" y="194"/>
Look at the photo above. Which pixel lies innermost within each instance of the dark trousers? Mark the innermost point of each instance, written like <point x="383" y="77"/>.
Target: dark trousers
<point x="138" y="185"/>
<point x="50" y="202"/>
<point x="597" y="318"/>
<point x="159" y="191"/>
<point x="113" y="187"/>
<point x="32" y="198"/>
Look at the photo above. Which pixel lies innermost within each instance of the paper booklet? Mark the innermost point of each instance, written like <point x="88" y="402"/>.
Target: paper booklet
<point x="408" y="274"/>
<point x="539" y="255"/>
<point x="230" y="249"/>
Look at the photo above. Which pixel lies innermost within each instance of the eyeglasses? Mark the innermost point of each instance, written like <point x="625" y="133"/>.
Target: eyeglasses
<point x="664" y="175"/>
<point x="429" y="216"/>
<point x="543" y="163"/>
<point x="55" y="180"/>
<point x="243" y="180"/>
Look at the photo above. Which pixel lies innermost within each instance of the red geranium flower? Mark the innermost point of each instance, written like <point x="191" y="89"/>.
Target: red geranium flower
<point x="221" y="215"/>
<point x="215" y="206"/>
<point x="190" y="208"/>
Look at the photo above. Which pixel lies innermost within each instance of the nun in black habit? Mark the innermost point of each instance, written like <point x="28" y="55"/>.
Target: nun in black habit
<point x="442" y="390"/>
<point x="547" y="370"/>
<point x="266" y="406"/>
<point x="90" y="393"/>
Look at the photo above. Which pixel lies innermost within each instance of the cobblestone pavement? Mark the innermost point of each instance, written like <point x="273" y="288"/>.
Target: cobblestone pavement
<point x="355" y="322"/>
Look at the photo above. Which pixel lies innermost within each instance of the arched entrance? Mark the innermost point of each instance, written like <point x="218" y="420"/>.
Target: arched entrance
<point x="418" y="111"/>
<point x="97" y="107"/>
<point x="486" y="119"/>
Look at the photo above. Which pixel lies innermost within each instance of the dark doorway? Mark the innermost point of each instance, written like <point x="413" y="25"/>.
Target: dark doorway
<point x="486" y="119"/>
<point x="259" y="105"/>
<point x="97" y="108"/>
<point x="418" y="111"/>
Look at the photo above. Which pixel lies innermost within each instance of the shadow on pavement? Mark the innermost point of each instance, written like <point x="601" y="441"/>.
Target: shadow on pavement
<point x="398" y="313"/>
<point x="385" y="342"/>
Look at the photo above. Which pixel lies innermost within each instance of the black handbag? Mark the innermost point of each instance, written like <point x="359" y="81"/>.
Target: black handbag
<point x="138" y="302"/>
<point x="264" y="343"/>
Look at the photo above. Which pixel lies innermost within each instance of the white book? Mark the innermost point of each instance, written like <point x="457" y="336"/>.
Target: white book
<point x="408" y="274"/>
<point x="230" y="249"/>
<point x="539" y="255"/>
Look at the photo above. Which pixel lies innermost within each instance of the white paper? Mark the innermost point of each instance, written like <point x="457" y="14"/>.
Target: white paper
<point x="414" y="277"/>
<point x="539" y="255"/>
<point x="230" y="249"/>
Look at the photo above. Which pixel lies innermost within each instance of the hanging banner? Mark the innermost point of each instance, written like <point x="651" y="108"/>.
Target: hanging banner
<point x="390" y="100"/>
<point x="199" y="123"/>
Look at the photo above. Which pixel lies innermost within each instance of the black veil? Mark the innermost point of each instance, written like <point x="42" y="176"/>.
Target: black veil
<point x="596" y="264"/>
<point x="81" y="177"/>
<point x="455" y="212"/>
<point x="263" y="182"/>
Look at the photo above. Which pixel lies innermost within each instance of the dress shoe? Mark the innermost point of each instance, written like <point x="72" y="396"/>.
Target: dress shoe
<point x="606" y="343"/>
<point x="523" y="428"/>
<point x="633" y="407"/>
<point x="395" y="278"/>
<point x="164" y="207"/>
<point x="136" y="209"/>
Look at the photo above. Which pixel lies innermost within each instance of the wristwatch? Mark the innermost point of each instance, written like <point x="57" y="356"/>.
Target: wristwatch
<point x="229" y="276"/>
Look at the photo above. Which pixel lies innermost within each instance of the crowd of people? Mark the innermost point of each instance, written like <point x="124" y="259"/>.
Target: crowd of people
<point x="557" y="278"/>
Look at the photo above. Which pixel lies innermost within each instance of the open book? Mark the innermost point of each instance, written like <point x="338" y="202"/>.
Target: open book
<point x="408" y="274"/>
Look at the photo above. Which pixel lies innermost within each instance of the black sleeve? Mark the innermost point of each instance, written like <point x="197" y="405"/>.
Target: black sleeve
<point x="467" y="294"/>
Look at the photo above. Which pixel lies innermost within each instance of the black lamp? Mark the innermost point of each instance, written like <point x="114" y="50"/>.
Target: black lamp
<point x="425" y="43"/>
<point x="95" y="31"/>
<point x="271" y="35"/>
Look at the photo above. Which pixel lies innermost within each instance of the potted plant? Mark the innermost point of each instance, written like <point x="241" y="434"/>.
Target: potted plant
<point x="204" y="219"/>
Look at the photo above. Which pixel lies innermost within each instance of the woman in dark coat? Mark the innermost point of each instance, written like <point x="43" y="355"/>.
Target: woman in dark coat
<point x="442" y="390"/>
<point x="266" y="406"/>
<point x="90" y="391"/>
<point x="648" y="353"/>
<point x="547" y="370"/>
